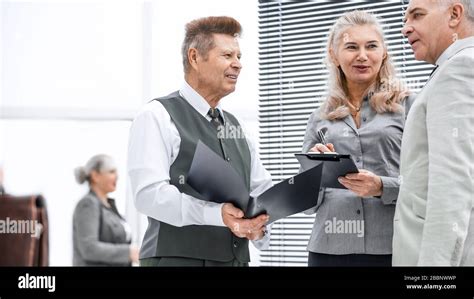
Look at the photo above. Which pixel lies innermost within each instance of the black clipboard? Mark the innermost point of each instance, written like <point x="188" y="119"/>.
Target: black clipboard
<point x="334" y="166"/>
<point x="217" y="181"/>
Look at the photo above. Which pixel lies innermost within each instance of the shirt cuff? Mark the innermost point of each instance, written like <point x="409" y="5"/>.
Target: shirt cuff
<point x="264" y="243"/>
<point x="390" y="188"/>
<point x="213" y="214"/>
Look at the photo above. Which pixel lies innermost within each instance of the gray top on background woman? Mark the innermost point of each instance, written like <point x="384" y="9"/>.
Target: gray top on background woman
<point x="101" y="236"/>
<point x="364" y="116"/>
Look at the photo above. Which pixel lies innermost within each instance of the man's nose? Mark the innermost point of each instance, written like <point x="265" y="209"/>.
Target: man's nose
<point x="407" y="30"/>
<point x="236" y="64"/>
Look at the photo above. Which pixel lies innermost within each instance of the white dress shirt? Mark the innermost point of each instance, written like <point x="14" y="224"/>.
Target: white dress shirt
<point x="153" y="146"/>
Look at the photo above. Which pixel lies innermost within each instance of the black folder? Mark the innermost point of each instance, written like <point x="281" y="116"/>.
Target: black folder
<point x="334" y="166"/>
<point x="217" y="181"/>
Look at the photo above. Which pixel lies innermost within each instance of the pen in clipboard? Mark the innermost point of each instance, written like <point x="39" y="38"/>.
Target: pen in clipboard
<point x="322" y="135"/>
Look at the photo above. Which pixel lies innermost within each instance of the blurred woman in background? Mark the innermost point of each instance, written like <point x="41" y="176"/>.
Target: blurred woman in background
<point x="101" y="236"/>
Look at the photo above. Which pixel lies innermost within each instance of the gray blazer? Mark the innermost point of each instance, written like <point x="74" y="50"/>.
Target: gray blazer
<point x="434" y="219"/>
<point x="99" y="238"/>
<point x="346" y="223"/>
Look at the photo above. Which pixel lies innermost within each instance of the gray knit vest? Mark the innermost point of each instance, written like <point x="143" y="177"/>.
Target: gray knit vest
<point x="198" y="241"/>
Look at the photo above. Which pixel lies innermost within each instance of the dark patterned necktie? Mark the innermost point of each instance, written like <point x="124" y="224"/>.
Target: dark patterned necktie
<point x="217" y="121"/>
<point x="216" y="118"/>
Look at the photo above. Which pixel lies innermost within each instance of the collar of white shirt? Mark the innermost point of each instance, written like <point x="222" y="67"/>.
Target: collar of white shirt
<point x="454" y="48"/>
<point x="197" y="101"/>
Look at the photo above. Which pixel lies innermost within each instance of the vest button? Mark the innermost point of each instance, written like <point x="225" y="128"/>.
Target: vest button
<point x="228" y="159"/>
<point x="236" y="244"/>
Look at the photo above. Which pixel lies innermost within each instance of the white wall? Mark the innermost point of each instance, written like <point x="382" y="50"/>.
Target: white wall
<point x="71" y="67"/>
<point x="72" y="54"/>
<point x="40" y="157"/>
<point x="169" y="19"/>
<point x="66" y="59"/>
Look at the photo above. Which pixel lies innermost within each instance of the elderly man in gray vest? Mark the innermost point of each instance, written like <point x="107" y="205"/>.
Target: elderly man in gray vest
<point x="182" y="229"/>
<point x="434" y="218"/>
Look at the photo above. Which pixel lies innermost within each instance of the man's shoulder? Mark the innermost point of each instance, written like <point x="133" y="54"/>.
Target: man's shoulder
<point x="459" y="65"/>
<point x="172" y="96"/>
<point x="156" y="106"/>
<point x="462" y="60"/>
<point x="466" y="50"/>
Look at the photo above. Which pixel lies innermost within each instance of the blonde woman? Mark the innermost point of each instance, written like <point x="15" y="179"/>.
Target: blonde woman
<point x="101" y="236"/>
<point x="364" y="116"/>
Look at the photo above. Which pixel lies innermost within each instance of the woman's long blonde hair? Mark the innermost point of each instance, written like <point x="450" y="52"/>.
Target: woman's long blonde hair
<point x="386" y="93"/>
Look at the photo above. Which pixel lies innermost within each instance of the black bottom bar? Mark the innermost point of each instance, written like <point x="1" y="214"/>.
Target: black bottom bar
<point x="70" y="282"/>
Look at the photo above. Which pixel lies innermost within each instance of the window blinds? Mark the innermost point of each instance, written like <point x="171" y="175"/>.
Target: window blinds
<point x="292" y="83"/>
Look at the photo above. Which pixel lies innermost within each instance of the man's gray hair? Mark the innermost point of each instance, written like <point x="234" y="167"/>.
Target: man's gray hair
<point x="199" y="35"/>
<point x="468" y="7"/>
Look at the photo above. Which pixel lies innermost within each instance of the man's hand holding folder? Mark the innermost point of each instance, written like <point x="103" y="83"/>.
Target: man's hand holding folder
<point x="217" y="181"/>
<point x="252" y="229"/>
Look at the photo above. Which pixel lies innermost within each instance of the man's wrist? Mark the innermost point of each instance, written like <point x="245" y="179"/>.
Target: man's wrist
<point x="213" y="214"/>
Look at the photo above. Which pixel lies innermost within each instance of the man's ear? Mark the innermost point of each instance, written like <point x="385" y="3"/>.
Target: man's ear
<point x="456" y="14"/>
<point x="193" y="57"/>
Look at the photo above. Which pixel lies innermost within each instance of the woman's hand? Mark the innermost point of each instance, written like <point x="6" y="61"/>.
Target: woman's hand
<point x="321" y="148"/>
<point x="364" y="183"/>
